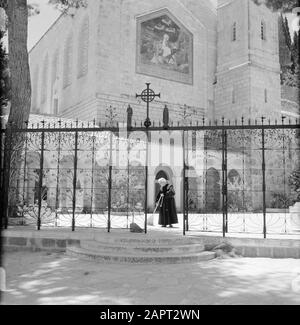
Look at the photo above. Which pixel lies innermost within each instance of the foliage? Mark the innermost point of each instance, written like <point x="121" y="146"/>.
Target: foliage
<point x="294" y="182"/>
<point x="64" y="5"/>
<point x="288" y="54"/>
<point x="278" y="5"/>
<point x="4" y="75"/>
<point x="280" y="201"/>
<point x="238" y="200"/>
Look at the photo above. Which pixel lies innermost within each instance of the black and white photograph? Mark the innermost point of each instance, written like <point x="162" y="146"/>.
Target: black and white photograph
<point x="150" y="155"/>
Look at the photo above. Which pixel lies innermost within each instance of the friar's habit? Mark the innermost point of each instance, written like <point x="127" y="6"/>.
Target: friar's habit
<point x="167" y="207"/>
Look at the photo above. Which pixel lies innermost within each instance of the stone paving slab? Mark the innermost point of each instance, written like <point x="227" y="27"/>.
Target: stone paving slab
<point x="54" y="278"/>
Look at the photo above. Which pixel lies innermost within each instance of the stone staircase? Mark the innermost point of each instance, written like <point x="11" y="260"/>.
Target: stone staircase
<point x="142" y="250"/>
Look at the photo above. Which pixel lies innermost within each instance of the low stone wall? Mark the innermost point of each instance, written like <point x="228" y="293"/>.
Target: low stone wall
<point x="38" y="244"/>
<point x="248" y="247"/>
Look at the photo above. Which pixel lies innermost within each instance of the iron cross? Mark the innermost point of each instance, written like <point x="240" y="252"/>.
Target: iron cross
<point x="148" y="96"/>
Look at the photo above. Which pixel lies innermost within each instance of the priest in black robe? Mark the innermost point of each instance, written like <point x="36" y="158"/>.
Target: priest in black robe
<point x="166" y="204"/>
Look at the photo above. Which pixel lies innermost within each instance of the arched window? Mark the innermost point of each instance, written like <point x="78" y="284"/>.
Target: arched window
<point x="194" y="141"/>
<point x="54" y="77"/>
<point x="45" y="80"/>
<point x="83" y="48"/>
<point x="68" y="58"/>
<point x="233" y="96"/>
<point x="266" y="95"/>
<point x="160" y="150"/>
<point x="35" y="88"/>
<point x="263" y="30"/>
<point x="54" y="67"/>
<point x="234" y="32"/>
<point x="234" y="177"/>
<point x="172" y="147"/>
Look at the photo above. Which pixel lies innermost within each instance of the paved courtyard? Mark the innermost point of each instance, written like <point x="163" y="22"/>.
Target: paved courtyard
<point x="55" y="278"/>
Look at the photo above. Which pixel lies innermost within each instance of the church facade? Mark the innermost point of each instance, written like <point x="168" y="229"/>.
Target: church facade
<point x="207" y="61"/>
<point x="219" y="62"/>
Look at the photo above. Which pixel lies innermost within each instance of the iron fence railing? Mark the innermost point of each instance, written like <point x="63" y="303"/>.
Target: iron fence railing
<point x="229" y="177"/>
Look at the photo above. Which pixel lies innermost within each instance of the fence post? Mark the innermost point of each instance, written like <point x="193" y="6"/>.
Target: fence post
<point x="6" y="174"/>
<point x="109" y="184"/>
<point x="75" y="181"/>
<point x="264" y="179"/>
<point x="187" y="189"/>
<point x="184" y="184"/>
<point x="58" y="175"/>
<point x="224" y="180"/>
<point x="146" y="180"/>
<point x="284" y="174"/>
<point x="41" y="181"/>
<point x="226" y="183"/>
<point x="92" y="180"/>
<point x="24" y="175"/>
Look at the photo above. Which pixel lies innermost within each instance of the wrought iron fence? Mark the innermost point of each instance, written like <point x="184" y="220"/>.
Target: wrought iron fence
<point x="228" y="178"/>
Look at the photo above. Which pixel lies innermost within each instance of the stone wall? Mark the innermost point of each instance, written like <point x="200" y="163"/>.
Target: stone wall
<point x="248" y="74"/>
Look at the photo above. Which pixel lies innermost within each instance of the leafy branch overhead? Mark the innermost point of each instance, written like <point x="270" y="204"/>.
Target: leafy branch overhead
<point x="278" y="5"/>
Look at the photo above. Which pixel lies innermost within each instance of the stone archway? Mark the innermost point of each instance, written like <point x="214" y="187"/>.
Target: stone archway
<point x="212" y="191"/>
<point x="235" y="200"/>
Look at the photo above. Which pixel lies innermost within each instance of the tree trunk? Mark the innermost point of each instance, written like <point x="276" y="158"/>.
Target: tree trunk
<point x="17" y="13"/>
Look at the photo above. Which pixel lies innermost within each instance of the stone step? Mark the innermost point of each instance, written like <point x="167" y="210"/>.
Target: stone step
<point x="143" y="239"/>
<point x="145" y="249"/>
<point x="109" y="257"/>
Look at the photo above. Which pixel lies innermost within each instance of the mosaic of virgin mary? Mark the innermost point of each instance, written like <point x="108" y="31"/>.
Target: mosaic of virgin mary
<point x="164" y="44"/>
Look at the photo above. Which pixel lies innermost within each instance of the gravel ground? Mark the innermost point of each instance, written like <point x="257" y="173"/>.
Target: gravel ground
<point x="53" y="278"/>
